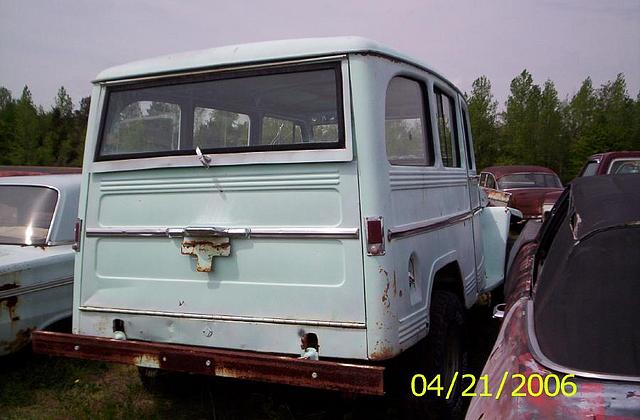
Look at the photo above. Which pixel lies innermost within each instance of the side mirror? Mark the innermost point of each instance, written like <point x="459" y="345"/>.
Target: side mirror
<point x="498" y="311"/>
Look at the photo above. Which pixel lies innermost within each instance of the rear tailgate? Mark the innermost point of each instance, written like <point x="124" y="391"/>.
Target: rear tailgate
<point x="301" y="264"/>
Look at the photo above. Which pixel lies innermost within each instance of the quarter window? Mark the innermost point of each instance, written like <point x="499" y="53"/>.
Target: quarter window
<point x="449" y="147"/>
<point x="406" y="136"/>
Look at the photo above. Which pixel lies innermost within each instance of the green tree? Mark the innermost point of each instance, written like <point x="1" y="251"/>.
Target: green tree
<point x="551" y="143"/>
<point x="521" y="121"/>
<point x="23" y="147"/>
<point x="484" y="122"/>
<point x="7" y="122"/>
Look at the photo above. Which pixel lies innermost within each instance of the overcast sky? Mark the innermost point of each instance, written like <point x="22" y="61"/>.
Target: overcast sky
<point x="46" y="44"/>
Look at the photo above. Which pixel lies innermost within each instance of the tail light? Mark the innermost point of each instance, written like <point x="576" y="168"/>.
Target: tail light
<point x="375" y="236"/>
<point x="77" y="234"/>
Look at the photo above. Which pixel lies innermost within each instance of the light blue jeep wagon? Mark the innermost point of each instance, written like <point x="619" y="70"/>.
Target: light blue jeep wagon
<point x="237" y="199"/>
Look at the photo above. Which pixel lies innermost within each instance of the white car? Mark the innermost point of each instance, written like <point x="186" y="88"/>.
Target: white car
<point x="37" y="216"/>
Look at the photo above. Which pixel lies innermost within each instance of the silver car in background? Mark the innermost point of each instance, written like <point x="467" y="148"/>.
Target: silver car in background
<point x="37" y="216"/>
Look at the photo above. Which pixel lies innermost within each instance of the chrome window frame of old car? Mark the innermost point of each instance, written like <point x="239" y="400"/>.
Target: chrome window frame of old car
<point x="47" y="241"/>
<point x="342" y="152"/>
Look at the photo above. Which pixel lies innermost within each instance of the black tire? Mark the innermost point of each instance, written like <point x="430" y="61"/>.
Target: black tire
<point x="161" y="382"/>
<point x="446" y="353"/>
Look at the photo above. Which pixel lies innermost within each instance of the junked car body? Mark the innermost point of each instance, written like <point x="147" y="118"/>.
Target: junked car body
<point x="37" y="215"/>
<point x="240" y="197"/>
<point x="521" y="187"/>
<point x="573" y="298"/>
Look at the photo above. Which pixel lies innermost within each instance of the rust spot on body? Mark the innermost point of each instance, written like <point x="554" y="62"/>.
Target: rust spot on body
<point x="22" y="339"/>
<point x="11" y="302"/>
<point x="382" y="351"/>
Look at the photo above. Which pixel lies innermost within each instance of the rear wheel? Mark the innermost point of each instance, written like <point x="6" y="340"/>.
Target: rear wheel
<point x="446" y="353"/>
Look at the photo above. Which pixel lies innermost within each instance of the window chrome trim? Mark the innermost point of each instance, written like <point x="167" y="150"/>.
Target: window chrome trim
<point x="23" y="290"/>
<point x="538" y="355"/>
<point x="412" y="229"/>
<point x="230" y="232"/>
<point x="226" y="318"/>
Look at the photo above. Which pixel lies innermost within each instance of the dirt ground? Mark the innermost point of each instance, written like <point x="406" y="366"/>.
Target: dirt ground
<point x="35" y="387"/>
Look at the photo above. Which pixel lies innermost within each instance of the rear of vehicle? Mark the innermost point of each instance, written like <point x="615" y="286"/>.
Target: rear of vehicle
<point x="222" y="208"/>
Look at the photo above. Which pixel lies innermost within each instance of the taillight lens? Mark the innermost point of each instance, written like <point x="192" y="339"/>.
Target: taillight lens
<point x="77" y="232"/>
<point x="375" y="236"/>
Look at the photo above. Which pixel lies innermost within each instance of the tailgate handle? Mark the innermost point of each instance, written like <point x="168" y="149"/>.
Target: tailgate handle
<point x="217" y="232"/>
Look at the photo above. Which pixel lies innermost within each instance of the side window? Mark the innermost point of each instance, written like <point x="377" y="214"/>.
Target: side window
<point x="491" y="181"/>
<point x="467" y="138"/>
<point x="407" y="135"/>
<point x="279" y="131"/>
<point x="449" y="147"/>
<point x="214" y="128"/>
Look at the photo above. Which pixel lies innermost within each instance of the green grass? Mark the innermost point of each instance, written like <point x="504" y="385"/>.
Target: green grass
<point x="40" y="387"/>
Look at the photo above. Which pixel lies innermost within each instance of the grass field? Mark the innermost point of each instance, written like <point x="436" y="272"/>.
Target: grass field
<point x="36" y="387"/>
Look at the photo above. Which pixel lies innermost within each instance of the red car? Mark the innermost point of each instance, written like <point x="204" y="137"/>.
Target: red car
<point x="612" y="163"/>
<point x="520" y="187"/>
<point x="569" y="345"/>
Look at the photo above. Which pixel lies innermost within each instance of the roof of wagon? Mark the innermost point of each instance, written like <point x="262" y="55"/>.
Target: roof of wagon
<point x="253" y="53"/>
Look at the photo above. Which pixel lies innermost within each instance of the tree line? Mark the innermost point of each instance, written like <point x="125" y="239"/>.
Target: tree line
<point x="31" y="135"/>
<point x="535" y="128"/>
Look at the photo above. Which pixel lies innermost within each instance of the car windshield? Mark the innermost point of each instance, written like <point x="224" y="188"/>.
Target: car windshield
<point x="25" y="214"/>
<point x="262" y="110"/>
<point x="529" y="180"/>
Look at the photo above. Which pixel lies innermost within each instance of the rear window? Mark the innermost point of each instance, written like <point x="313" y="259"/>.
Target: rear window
<point x="25" y="214"/>
<point x="275" y="109"/>
<point x="625" y="166"/>
<point x="529" y="180"/>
